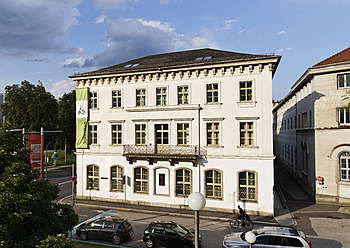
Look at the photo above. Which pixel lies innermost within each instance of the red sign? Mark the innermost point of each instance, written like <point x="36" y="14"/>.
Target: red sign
<point x="319" y="178"/>
<point x="36" y="156"/>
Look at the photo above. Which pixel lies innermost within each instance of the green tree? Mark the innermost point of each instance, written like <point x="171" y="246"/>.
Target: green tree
<point x="28" y="208"/>
<point x="29" y="106"/>
<point x="59" y="241"/>
<point x="66" y="119"/>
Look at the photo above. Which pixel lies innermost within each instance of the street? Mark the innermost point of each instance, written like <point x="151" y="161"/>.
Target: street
<point x="324" y="227"/>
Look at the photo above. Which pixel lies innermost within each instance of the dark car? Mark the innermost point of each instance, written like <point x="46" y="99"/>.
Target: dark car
<point x="106" y="228"/>
<point x="168" y="234"/>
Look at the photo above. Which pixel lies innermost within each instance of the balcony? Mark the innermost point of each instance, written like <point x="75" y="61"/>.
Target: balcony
<point x="163" y="152"/>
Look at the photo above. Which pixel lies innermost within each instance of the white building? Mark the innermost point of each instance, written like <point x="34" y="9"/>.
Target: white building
<point x="176" y="123"/>
<point x="312" y="129"/>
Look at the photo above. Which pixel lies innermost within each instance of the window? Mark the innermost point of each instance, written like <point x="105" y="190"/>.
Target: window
<point x="182" y="95"/>
<point x="213" y="134"/>
<point x="183" y="182"/>
<point x="93" y="134"/>
<point x="344" y="116"/>
<point x="344" y="162"/>
<point x="213" y="184"/>
<point x="117" y="134"/>
<point x="161" y="95"/>
<point x="344" y="80"/>
<point x="304" y="119"/>
<point x="93" y="177"/>
<point x="117" y="178"/>
<point x="213" y="93"/>
<point x="93" y="100"/>
<point x="246" y="134"/>
<point x="140" y="97"/>
<point x="183" y="133"/>
<point x="246" y="91"/>
<point x="247" y="186"/>
<point x="140" y="134"/>
<point x="116" y="98"/>
<point x="141" y="180"/>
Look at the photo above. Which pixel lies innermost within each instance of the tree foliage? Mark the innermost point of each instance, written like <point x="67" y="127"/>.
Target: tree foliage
<point x="59" y="241"/>
<point x="30" y="106"/>
<point x="66" y="119"/>
<point x="28" y="208"/>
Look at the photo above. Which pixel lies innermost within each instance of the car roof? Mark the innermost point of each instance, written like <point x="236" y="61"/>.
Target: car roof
<point x="278" y="231"/>
<point x="162" y="223"/>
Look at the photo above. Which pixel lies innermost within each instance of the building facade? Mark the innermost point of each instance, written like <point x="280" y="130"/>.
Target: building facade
<point x="164" y="126"/>
<point x="312" y="130"/>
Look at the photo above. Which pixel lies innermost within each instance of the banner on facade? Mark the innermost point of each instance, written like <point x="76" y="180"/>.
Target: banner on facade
<point x="81" y="140"/>
<point x="36" y="156"/>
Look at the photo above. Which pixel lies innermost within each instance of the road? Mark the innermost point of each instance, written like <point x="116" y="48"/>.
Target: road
<point x="64" y="180"/>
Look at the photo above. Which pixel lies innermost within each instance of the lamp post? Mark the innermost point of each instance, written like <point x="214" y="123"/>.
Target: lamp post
<point x="54" y="157"/>
<point x="251" y="238"/>
<point x="196" y="201"/>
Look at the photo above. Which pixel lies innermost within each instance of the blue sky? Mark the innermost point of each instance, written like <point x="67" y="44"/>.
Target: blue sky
<point x="49" y="40"/>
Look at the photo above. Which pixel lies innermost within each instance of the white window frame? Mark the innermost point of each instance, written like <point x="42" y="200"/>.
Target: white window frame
<point x="93" y="134"/>
<point x="185" y="134"/>
<point x="344" y="166"/>
<point x="346" y="80"/>
<point x="141" y="180"/>
<point x="247" y="130"/>
<point x="117" y="98"/>
<point x="94" y="177"/>
<point x="248" y="186"/>
<point x="214" y="185"/>
<point x="118" y="133"/>
<point x="184" y="185"/>
<point x="93" y="99"/>
<point x="181" y="95"/>
<point x="345" y="112"/>
<point x="163" y="96"/>
<point x="206" y="93"/>
<point x="245" y="90"/>
<point x="213" y="131"/>
<point x="143" y="97"/>
<point x="141" y="137"/>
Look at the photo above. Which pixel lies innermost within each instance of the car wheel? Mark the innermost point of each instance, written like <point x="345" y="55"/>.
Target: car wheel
<point x="83" y="236"/>
<point x="149" y="243"/>
<point x="116" y="239"/>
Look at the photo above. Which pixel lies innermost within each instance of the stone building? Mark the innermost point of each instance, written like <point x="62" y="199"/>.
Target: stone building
<point x="312" y="129"/>
<point x="163" y="126"/>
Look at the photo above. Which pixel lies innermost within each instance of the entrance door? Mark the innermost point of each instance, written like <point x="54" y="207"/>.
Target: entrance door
<point x="162" y="181"/>
<point x="162" y="138"/>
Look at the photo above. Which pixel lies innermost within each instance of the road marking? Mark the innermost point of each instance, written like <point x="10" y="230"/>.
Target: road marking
<point x="64" y="182"/>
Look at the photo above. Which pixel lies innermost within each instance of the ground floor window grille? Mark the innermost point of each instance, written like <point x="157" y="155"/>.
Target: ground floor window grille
<point x="247" y="186"/>
<point x="213" y="184"/>
<point x="93" y="177"/>
<point x="116" y="178"/>
<point x="141" y="180"/>
<point x="183" y="182"/>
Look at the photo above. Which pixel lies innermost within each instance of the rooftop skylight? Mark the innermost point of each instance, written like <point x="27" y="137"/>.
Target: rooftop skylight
<point x="131" y="65"/>
<point x="204" y="58"/>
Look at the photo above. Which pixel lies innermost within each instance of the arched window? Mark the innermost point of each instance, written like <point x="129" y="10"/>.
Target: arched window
<point x="141" y="180"/>
<point x="92" y="177"/>
<point x="183" y="182"/>
<point x="247" y="186"/>
<point x="117" y="173"/>
<point x="213" y="184"/>
<point x="344" y="164"/>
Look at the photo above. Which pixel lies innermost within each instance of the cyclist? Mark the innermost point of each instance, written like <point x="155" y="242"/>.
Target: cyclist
<point x="241" y="215"/>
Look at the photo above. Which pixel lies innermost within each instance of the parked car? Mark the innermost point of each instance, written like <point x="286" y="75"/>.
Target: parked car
<point x="268" y="237"/>
<point x="168" y="234"/>
<point x="106" y="228"/>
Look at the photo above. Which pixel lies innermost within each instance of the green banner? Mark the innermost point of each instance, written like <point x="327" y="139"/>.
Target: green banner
<point x="81" y="140"/>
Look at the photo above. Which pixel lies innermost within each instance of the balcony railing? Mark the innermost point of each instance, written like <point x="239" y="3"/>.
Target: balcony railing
<point x="150" y="152"/>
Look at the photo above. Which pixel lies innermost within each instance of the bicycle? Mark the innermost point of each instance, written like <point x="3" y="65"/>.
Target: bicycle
<point x="247" y="224"/>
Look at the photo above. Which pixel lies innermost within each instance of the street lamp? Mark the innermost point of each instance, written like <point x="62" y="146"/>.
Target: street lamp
<point x="251" y="238"/>
<point x="196" y="201"/>
<point x="54" y="157"/>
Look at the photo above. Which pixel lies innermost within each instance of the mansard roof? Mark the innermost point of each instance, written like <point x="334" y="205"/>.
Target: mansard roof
<point x="176" y="60"/>
<point x="343" y="56"/>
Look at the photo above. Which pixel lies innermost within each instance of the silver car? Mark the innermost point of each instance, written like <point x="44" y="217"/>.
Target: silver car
<point x="268" y="237"/>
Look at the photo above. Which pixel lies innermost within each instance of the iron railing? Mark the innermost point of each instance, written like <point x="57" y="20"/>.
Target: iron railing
<point x="164" y="150"/>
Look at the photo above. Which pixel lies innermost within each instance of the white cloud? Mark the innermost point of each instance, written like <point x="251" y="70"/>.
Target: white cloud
<point x="73" y="63"/>
<point x="112" y="4"/>
<point x="29" y="28"/>
<point x="61" y="87"/>
<point x="281" y="32"/>
<point x="243" y="31"/>
<point x="199" y="42"/>
<point x="100" y="19"/>
<point x="285" y="49"/>
<point x="164" y="1"/>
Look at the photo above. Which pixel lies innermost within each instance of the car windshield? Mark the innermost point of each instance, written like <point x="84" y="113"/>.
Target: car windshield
<point x="181" y="230"/>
